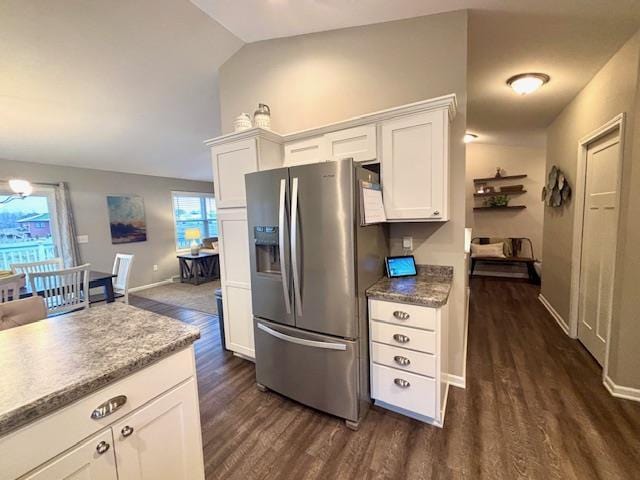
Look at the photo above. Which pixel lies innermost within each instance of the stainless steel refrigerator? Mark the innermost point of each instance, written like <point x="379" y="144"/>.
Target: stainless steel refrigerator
<point x="311" y="262"/>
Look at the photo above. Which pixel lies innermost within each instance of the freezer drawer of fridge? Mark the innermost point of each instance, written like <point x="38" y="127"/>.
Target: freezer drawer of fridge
<point x="316" y="370"/>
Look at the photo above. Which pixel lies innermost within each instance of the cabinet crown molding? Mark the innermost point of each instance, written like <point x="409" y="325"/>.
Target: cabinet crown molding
<point x="446" y="101"/>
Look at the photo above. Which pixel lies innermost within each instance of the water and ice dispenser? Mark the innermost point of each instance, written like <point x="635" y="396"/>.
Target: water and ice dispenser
<point x="267" y="249"/>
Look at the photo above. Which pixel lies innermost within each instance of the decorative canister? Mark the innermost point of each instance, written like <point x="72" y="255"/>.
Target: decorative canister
<point x="262" y="116"/>
<point x="242" y="122"/>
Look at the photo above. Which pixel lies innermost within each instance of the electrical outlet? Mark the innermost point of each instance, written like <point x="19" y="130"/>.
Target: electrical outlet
<point x="407" y="243"/>
<point x="155" y="268"/>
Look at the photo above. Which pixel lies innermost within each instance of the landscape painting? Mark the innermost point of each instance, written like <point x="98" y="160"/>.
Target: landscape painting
<point x="126" y="216"/>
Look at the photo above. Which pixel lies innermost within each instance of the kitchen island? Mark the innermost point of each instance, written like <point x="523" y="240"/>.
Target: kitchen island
<point x="110" y="390"/>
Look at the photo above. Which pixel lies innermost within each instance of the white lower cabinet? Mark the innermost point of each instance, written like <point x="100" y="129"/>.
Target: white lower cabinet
<point x="408" y="359"/>
<point x="162" y="439"/>
<point x="84" y="462"/>
<point x="153" y="434"/>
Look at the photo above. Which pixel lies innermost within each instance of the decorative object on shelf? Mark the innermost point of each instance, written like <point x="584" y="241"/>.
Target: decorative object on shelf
<point x="511" y="188"/>
<point x="242" y="122"/>
<point x="126" y="218"/>
<point x="480" y="188"/>
<point x="489" y="189"/>
<point x="193" y="234"/>
<point x="499" y="172"/>
<point x="498" y="201"/>
<point x="557" y="190"/>
<point x="262" y="116"/>
<point x="21" y="189"/>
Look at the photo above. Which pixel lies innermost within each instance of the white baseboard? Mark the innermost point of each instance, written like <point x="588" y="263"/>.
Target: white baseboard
<point x="619" y="391"/>
<point x="151" y="285"/>
<point x="455" y="380"/>
<point x="563" y="325"/>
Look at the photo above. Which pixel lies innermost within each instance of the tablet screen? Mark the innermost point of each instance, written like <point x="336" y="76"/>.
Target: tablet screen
<point x="401" y="266"/>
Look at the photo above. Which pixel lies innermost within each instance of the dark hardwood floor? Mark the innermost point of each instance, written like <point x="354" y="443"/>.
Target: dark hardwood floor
<point x="534" y="407"/>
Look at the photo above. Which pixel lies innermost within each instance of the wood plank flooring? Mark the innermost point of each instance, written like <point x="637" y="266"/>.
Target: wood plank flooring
<point x="534" y="407"/>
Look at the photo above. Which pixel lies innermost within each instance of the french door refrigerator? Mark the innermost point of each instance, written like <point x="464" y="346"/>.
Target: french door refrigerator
<point x="311" y="263"/>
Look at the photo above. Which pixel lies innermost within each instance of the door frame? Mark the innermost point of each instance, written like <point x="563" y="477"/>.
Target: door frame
<point x="616" y="123"/>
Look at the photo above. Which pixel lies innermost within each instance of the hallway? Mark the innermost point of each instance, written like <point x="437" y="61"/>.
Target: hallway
<point x="534" y="407"/>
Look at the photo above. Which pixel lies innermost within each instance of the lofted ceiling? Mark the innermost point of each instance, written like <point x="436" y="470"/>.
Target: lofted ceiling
<point x="129" y="86"/>
<point x="568" y="39"/>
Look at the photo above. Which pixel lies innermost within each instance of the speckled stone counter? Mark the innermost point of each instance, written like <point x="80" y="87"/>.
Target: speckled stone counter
<point x="429" y="288"/>
<point x="52" y="363"/>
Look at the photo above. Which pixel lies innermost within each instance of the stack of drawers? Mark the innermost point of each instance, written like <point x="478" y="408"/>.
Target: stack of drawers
<point x="406" y="350"/>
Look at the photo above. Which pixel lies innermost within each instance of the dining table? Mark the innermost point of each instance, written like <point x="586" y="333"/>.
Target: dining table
<point x="97" y="279"/>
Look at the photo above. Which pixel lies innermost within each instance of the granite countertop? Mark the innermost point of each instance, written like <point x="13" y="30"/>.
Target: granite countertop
<point x="49" y="364"/>
<point x="429" y="288"/>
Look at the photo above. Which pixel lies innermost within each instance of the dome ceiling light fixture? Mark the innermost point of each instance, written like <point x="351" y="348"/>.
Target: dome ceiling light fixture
<point x="469" y="137"/>
<point x="526" y="83"/>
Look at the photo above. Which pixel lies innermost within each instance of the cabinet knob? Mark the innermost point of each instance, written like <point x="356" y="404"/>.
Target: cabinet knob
<point x="401" y="338"/>
<point x="436" y="213"/>
<point x="102" y="447"/>
<point x="126" y="431"/>
<point x="404" y="361"/>
<point x="401" y="383"/>
<point x="400" y="315"/>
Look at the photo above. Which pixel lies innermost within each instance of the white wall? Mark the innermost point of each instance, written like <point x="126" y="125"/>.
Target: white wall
<point x="482" y="161"/>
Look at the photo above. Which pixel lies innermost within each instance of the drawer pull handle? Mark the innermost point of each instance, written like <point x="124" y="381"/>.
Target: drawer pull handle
<point x="436" y="213"/>
<point x="107" y="408"/>
<point x="102" y="447"/>
<point x="400" y="315"/>
<point x="404" y="361"/>
<point x="126" y="431"/>
<point x="401" y="383"/>
<point x="401" y="338"/>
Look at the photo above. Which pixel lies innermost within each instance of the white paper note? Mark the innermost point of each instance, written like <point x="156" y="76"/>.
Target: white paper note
<point x="373" y="206"/>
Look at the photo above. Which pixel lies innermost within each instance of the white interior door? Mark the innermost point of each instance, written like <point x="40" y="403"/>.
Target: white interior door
<point x="599" y="237"/>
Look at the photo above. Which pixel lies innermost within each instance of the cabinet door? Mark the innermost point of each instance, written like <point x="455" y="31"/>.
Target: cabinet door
<point x="83" y="462"/>
<point x="415" y="166"/>
<point x="308" y="150"/>
<point x="231" y="162"/>
<point x="236" y="280"/>
<point x="358" y="143"/>
<point x="162" y="439"/>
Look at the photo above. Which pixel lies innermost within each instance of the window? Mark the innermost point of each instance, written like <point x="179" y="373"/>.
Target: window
<point x="26" y="232"/>
<point x="194" y="210"/>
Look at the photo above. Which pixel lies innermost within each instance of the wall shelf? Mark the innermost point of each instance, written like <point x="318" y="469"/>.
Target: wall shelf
<point x="508" y="207"/>
<point x="494" y="194"/>
<point x="494" y="179"/>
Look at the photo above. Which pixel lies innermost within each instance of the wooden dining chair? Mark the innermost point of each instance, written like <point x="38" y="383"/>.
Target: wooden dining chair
<point x="49" y="265"/>
<point x="10" y="287"/>
<point x="122" y="268"/>
<point x="64" y="290"/>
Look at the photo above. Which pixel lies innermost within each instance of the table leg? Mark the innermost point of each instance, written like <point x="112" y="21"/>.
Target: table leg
<point x="108" y="291"/>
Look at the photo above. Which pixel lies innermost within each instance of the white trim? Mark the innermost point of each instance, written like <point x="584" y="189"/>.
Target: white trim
<point x="150" y="285"/>
<point x="554" y="314"/>
<point x="448" y="101"/>
<point x="628" y="393"/>
<point x="616" y="123"/>
<point x="455" y="380"/>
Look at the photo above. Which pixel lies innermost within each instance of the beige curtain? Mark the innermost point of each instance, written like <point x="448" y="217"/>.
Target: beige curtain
<point x="69" y="250"/>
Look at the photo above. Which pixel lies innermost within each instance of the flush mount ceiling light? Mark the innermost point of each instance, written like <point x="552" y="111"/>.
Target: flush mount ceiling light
<point x="469" y="137"/>
<point x="526" y="83"/>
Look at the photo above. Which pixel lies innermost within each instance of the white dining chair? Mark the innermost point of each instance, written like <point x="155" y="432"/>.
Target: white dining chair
<point x="63" y="290"/>
<point x="122" y="268"/>
<point x="10" y="287"/>
<point x="49" y="265"/>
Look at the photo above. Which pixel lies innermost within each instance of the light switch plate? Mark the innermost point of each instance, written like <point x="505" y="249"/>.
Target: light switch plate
<point x="83" y="238"/>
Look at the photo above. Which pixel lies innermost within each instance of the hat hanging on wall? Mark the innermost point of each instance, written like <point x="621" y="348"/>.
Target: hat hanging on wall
<point x="557" y="190"/>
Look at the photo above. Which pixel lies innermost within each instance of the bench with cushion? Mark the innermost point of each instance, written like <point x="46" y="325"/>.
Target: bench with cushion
<point x="512" y="250"/>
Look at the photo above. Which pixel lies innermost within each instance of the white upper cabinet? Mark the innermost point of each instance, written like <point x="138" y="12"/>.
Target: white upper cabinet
<point x="308" y="150"/>
<point x="415" y="166"/>
<point x="231" y="161"/>
<point x="358" y="143"/>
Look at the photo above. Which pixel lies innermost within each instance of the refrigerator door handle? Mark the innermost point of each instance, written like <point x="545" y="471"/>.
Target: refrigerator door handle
<point x="302" y="341"/>
<point x="294" y="245"/>
<point x="283" y="266"/>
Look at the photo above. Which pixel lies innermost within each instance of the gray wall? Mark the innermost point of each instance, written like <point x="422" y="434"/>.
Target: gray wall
<point x="89" y="189"/>
<point x="310" y="80"/>
<point x="613" y="90"/>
